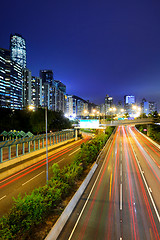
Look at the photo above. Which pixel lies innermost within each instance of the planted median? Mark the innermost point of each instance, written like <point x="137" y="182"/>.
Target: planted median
<point x="32" y="209"/>
<point x="151" y="130"/>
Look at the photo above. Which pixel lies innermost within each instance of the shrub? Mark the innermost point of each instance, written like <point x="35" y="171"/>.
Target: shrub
<point x="31" y="209"/>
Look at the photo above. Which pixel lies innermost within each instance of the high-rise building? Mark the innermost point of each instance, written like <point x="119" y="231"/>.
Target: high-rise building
<point x="59" y="96"/>
<point x="76" y="106"/>
<point x="46" y="76"/>
<point x="36" y="86"/>
<point x="27" y="93"/>
<point x="108" y="103"/>
<point x="71" y="106"/>
<point x="152" y="107"/>
<point x="18" y="49"/>
<point x="32" y="89"/>
<point x="46" y="95"/>
<point x="102" y="109"/>
<point x="10" y="81"/>
<point x="129" y="101"/>
<point x="145" y="106"/>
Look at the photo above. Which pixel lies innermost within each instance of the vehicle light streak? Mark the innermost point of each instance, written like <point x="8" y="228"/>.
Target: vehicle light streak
<point x="84" y="226"/>
<point x="110" y="216"/>
<point x="135" y="226"/>
<point x="137" y="165"/>
<point x="63" y="150"/>
<point x="145" y="155"/>
<point x="43" y="162"/>
<point x="103" y="167"/>
<point x="147" y="142"/>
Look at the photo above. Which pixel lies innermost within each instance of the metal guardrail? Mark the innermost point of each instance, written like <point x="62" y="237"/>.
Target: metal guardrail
<point x="17" y="147"/>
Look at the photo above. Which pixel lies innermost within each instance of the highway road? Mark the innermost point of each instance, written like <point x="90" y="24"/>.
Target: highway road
<point x="33" y="176"/>
<point x="122" y="199"/>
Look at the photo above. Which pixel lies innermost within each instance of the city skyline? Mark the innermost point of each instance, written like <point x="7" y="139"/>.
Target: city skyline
<point x="93" y="48"/>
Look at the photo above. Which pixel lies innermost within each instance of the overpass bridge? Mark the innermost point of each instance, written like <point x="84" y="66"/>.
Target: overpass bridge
<point x="127" y="122"/>
<point x="102" y="124"/>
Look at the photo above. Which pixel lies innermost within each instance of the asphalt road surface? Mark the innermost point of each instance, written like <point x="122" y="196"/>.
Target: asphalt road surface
<point x="34" y="176"/>
<point x="122" y="200"/>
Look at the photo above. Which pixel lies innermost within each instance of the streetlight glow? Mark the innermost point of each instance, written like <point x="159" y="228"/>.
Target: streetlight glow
<point x="31" y="107"/>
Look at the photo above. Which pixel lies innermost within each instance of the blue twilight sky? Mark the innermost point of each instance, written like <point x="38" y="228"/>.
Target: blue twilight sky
<point x="95" y="47"/>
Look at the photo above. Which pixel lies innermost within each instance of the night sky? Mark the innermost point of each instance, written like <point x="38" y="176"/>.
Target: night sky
<point x="94" y="47"/>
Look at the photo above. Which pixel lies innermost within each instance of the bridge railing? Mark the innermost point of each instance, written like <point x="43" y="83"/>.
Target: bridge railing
<point x="14" y="148"/>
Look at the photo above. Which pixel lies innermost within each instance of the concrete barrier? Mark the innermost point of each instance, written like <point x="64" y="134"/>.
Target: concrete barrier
<point x="57" y="228"/>
<point x="152" y="141"/>
<point x="14" y="165"/>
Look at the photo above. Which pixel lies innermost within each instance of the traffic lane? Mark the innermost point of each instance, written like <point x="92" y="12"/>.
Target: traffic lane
<point x="29" y="181"/>
<point x="40" y="163"/>
<point x="104" y="216"/>
<point x="20" y="147"/>
<point x="148" y="167"/>
<point x="87" y="220"/>
<point x="138" y="216"/>
<point x="149" y="147"/>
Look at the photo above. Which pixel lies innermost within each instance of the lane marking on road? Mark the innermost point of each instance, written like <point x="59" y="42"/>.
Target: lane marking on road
<point x="2" y="197"/>
<point x="121" y="196"/>
<point x="110" y="188"/>
<point x="60" y="160"/>
<point x="84" y="206"/>
<point x="142" y="173"/>
<point x="33" y="178"/>
<point x="120" y="238"/>
<point x="74" y="152"/>
<point x="121" y="169"/>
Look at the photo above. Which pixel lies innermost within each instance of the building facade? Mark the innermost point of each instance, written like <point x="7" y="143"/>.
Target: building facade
<point x="18" y="49"/>
<point x="152" y="107"/>
<point x="32" y="89"/>
<point x="10" y="81"/>
<point x="129" y="101"/>
<point x="46" y="76"/>
<point x="108" y="104"/>
<point x="71" y="108"/>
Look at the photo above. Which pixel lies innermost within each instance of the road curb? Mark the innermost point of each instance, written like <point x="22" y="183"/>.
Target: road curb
<point x="57" y="228"/>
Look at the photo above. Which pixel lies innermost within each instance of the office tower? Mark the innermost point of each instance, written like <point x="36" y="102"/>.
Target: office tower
<point x="58" y="84"/>
<point x="71" y="106"/>
<point x="129" y="101"/>
<point x="102" y="109"/>
<point x="60" y="94"/>
<point x="47" y="90"/>
<point x="145" y="106"/>
<point x="46" y="76"/>
<point x="46" y="95"/>
<point x="76" y="106"/>
<point x="36" y="88"/>
<point x="10" y="81"/>
<point x="32" y="89"/>
<point x="108" y="103"/>
<point x="152" y="107"/>
<point x="18" y="49"/>
<point x="27" y="94"/>
<point x="4" y="81"/>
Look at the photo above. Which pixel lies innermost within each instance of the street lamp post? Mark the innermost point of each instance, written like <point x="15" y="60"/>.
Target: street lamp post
<point x="46" y="146"/>
<point x="31" y="107"/>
